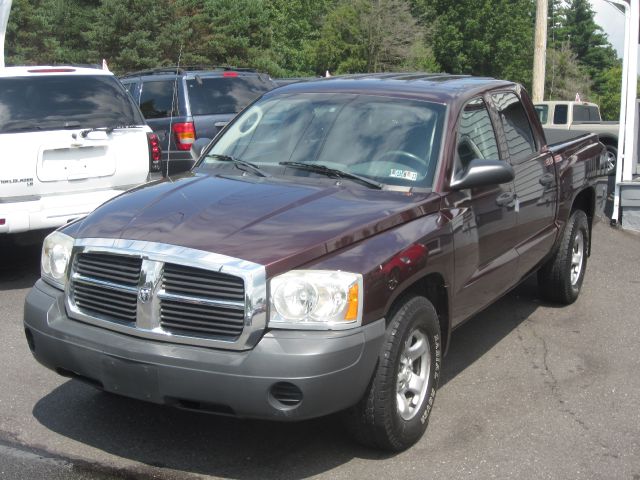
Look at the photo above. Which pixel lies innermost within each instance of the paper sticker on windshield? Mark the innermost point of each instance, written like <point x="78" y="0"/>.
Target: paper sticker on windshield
<point x="406" y="174"/>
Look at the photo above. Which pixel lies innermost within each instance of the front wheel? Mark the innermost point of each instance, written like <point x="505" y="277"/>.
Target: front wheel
<point x="394" y="412"/>
<point x="560" y="279"/>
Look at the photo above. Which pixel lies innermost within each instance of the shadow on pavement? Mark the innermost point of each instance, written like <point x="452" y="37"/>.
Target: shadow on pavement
<point x="19" y="265"/>
<point x="247" y="449"/>
<point x="477" y="336"/>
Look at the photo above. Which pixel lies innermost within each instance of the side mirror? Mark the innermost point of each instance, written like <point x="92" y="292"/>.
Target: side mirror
<point x="482" y="173"/>
<point x="198" y="146"/>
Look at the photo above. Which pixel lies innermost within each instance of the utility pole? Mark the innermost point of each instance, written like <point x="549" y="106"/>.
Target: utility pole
<point x="540" y="51"/>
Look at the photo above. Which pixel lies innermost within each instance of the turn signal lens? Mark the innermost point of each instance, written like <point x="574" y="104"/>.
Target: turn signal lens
<point x="353" y="303"/>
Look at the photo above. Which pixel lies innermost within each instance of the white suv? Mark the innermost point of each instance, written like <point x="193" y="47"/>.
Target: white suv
<point x="70" y="139"/>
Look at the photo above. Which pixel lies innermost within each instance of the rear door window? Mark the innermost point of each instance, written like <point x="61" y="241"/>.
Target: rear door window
<point x="560" y="115"/>
<point x="224" y="95"/>
<point x="520" y="140"/>
<point x="55" y="102"/>
<point x="159" y="99"/>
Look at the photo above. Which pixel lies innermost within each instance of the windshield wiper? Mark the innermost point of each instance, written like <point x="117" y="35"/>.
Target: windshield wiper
<point x="107" y="130"/>
<point x="239" y="163"/>
<point x="334" y="173"/>
<point x="22" y="128"/>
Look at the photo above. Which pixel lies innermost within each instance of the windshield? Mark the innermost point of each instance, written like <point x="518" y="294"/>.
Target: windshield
<point x="64" y="101"/>
<point x="391" y="140"/>
<point x="224" y="95"/>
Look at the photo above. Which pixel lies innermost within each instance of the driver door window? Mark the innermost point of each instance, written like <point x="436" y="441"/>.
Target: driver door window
<point x="476" y="138"/>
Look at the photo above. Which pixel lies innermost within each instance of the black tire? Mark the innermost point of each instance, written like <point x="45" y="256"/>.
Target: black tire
<point x="558" y="280"/>
<point x="377" y="421"/>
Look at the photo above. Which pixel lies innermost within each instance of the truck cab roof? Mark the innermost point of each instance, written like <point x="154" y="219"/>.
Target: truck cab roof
<point x="435" y="87"/>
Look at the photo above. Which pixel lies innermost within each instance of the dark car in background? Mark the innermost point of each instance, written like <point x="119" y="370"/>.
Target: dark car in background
<point x="181" y="104"/>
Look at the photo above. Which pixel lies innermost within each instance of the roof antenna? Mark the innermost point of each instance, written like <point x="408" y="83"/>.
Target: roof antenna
<point x="174" y="106"/>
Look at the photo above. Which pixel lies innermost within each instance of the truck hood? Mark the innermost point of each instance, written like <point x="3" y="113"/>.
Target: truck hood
<point x="273" y="222"/>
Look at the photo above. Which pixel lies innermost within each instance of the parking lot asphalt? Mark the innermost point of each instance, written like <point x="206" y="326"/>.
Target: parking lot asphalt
<point x="530" y="390"/>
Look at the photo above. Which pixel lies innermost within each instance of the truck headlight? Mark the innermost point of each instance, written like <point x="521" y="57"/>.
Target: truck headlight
<point x="56" y="253"/>
<point x="316" y="299"/>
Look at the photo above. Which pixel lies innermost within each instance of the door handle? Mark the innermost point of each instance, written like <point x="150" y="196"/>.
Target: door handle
<point x="505" y="199"/>
<point x="547" y="179"/>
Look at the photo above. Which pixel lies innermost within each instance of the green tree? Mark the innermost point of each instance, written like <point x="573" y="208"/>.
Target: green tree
<point x="371" y="36"/>
<point x="609" y="97"/>
<point x="30" y="38"/>
<point x="575" y="25"/>
<point x="127" y="33"/>
<point x="585" y="37"/>
<point x="296" y="26"/>
<point x="565" y="76"/>
<point x="495" y="40"/>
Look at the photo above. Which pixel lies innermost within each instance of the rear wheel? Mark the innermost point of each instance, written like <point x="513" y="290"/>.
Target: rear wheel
<point x="394" y="412"/>
<point x="560" y="279"/>
<point x="611" y="159"/>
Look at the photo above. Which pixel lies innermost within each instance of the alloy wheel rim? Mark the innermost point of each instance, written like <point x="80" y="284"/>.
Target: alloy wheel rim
<point x="413" y="375"/>
<point x="577" y="255"/>
<point x="611" y="160"/>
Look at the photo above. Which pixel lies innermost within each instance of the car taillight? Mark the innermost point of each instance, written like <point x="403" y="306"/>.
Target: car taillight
<point x="185" y="135"/>
<point x="155" y="153"/>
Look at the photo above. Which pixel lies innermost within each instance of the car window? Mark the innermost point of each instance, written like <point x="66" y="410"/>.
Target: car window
<point x="560" y="115"/>
<point x="224" y="95"/>
<point x="476" y="137"/>
<point x="520" y="141"/>
<point x="580" y="113"/>
<point x="392" y="140"/>
<point x="132" y="88"/>
<point x="157" y="98"/>
<point x="543" y="113"/>
<point x="53" y="102"/>
<point x="594" y="114"/>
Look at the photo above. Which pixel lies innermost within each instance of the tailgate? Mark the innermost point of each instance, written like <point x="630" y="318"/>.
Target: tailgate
<point x="208" y="126"/>
<point x="54" y="162"/>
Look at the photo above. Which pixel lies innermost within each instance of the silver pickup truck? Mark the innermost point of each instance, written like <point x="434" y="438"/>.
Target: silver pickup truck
<point x="564" y="120"/>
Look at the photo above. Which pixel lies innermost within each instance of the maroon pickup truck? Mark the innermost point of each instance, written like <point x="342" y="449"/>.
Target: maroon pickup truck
<point x="320" y="252"/>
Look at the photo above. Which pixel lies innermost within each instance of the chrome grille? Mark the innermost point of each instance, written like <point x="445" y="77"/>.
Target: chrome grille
<point x="183" y="280"/>
<point x="101" y="301"/>
<point x="194" y="301"/>
<point x="180" y="317"/>
<point x="109" y="268"/>
<point x="105" y="285"/>
<point x="167" y="293"/>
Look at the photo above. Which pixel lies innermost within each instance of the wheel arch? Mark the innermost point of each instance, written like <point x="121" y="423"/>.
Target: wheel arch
<point x="609" y="141"/>
<point x="585" y="200"/>
<point x="434" y="288"/>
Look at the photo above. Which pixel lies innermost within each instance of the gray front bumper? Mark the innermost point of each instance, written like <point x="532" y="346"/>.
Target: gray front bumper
<point x="331" y="369"/>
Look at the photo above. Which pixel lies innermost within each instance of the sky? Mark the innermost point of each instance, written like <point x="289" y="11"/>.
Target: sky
<point x="612" y="22"/>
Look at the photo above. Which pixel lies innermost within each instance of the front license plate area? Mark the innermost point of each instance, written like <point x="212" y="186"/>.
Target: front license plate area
<point x="131" y="379"/>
